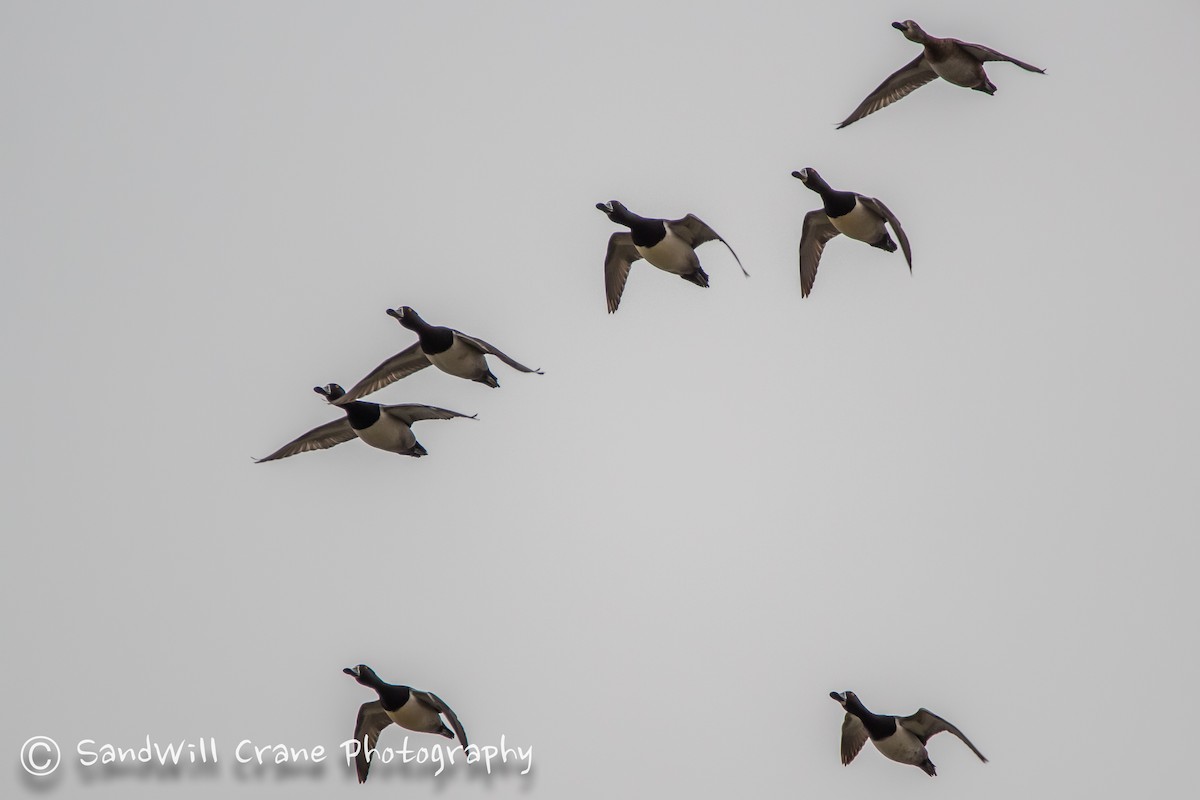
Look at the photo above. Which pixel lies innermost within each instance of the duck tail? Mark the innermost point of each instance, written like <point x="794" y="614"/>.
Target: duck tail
<point x="699" y="277"/>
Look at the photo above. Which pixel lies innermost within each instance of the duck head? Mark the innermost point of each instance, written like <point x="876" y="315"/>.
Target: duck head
<point x="911" y="30"/>
<point x="363" y="674"/>
<point x="810" y="178"/>
<point x="615" y="210"/>
<point x="330" y="391"/>
<point x="849" y="701"/>
<point x="406" y="317"/>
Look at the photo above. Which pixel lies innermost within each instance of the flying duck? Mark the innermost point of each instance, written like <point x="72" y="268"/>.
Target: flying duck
<point x="669" y="244"/>
<point x="407" y="707"/>
<point x="386" y="427"/>
<point x="901" y="739"/>
<point x="960" y="63"/>
<point x="449" y="350"/>
<point x="858" y="216"/>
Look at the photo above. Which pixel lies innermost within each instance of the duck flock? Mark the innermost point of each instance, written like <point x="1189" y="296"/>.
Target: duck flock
<point x="669" y="245"/>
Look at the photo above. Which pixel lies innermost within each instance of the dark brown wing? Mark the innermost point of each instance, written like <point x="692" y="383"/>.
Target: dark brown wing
<point x="817" y="231"/>
<point x="433" y="701"/>
<point x="696" y="232"/>
<point x="408" y="413"/>
<point x="907" y="79"/>
<point x="371" y="720"/>
<point x="621" y="254"/>
<point x="401" y="365"/>
<point x="318" y="438"/>
<point x="491" y="350"/>
<point x="988" y="54"/>
<point x="854" y="736"/>
<point x="879" y="208"/>
<point x="925" y="724"/>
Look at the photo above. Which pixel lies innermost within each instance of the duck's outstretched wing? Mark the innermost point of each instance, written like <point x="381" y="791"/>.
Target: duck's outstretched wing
<point x="405" y="363"/>
<point x="879" y="208"/>
<point x="907" y="79"/>
<point x="433" y="701"/>
<point x="318" y="438"/>
<point x="408" y="413"/>
<point x="988" y="54"/>
<point x="817" y="231"/>
<point x="371" y="720"/>
<point x="696" y="232"/>
<point x="621" y="254"/>
<point x="925" y="724"/>
<point x="854" y="736"/>
<point x="492" y="350"/>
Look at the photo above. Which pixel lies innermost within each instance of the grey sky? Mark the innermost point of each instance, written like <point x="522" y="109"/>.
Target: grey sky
<point x="972" y="488"/>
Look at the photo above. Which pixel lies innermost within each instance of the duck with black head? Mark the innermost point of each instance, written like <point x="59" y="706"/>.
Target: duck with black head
<point x="384" y="427"/>
<point x="901" y="739"/>
<point x="669" y="245"/>
<point x="856" y="215"/>
<point x="410" y="708"/>
<point x="450" y="350"/>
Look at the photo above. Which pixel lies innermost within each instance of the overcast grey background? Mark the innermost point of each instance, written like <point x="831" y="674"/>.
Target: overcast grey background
<point x="971" y="489"/>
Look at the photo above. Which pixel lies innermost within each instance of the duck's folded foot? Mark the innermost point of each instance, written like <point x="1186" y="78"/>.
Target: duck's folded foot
<point x="885" y="243"/>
